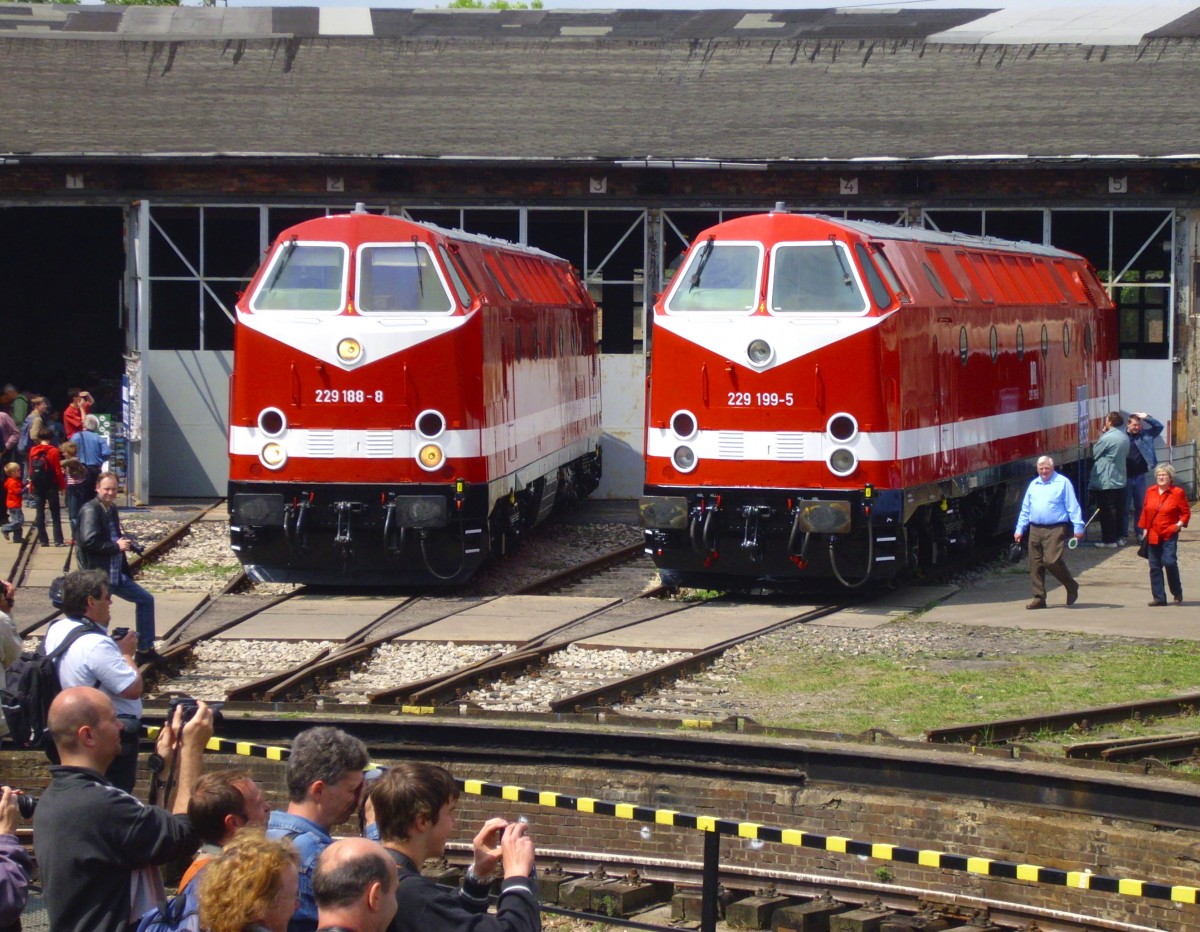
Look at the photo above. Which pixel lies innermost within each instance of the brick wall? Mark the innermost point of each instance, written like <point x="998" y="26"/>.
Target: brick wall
<point x="953" y="825"/>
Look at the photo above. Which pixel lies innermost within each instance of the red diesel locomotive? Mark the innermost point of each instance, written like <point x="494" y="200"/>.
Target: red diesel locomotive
<point x="405" y="400"/>
<point x="848" y="400"/>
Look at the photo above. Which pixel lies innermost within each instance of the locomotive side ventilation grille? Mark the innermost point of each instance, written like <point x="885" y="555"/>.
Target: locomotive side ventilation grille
<point x="731" y="445"/>
<point x="379" y="443"/>
<point x="789" y="446"/>
<point x="320" y="443"/>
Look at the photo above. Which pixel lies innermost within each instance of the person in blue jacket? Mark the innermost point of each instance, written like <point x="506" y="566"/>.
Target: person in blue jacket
<point x="1142" y="429"/>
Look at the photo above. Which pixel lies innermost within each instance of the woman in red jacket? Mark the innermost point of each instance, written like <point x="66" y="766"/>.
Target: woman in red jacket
<point x="1165" y="513"/>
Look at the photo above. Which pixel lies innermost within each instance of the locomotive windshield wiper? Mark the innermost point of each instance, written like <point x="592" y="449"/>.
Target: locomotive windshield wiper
<point x="283" y="260"/>
<point x="708" y="248"/>
<point x="847" y="278"/>
<point x="417" y="259"/>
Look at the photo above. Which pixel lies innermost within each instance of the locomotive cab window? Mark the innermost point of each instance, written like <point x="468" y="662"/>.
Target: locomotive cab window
<point x="400" y="277"/>
<point x="814" y="278"/>
<point x="718" y="277"/>
<point x="879" y="292"/>
<point x="303" y="277"/>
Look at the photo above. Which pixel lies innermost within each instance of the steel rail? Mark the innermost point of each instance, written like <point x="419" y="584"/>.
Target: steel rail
<point x="573" y="573"/>
<point x="332" y="663"/>
<point x="526" y="659"/>
<point x="159" y="547"/>
<point x="854" y="893"/>
<point x="634" y="685"/>
<point x="1113" y="749"/>
<point x="1080" y="719"/>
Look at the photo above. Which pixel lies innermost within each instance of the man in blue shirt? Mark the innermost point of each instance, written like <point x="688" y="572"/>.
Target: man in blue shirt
<point x="1051" y="512"/>
<point x="325" y="786"/>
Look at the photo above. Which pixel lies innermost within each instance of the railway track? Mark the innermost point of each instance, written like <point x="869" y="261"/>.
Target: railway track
<point x="346" y="670"/>
<point x="666" y="893"/>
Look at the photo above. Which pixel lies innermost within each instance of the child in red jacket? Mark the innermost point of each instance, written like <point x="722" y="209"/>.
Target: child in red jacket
<point x="46" y="480"/>
<point x="13" y="500"/>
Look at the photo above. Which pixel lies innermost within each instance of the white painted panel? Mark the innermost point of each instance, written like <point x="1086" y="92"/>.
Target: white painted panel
<point x="188" y="417"/>
<point x="623" y="395"/>
<point x="1146" y="386"/>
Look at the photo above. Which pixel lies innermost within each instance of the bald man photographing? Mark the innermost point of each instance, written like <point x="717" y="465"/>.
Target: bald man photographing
<point x="98" y="847"/>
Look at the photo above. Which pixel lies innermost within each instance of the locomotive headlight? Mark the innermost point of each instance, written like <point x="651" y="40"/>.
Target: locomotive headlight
<point x="349" y="350"/>
<point x="684" y="458"/>
<point x="431" y="424"/>
<point x="842" y="462"/>
<point x="430" y="457"/>
<point x="842" y="427"/>
<point x="273" y="455"/>
<point x="272" y="422"/>
<point x="759" y="352"/>
<point x="683" y="425"/>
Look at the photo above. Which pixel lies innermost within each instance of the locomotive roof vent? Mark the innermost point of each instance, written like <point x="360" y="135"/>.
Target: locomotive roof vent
<point x="781" y="207"/>
<point x="360" y="207"/>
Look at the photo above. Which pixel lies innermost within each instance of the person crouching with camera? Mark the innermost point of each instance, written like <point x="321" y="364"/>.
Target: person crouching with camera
<point x="98" y="848"/>
<point x="102" y="545"/>
<point x="96" y="659"/>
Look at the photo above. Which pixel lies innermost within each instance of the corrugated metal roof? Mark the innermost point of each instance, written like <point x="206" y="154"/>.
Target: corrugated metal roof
<point x="736" y="86"/>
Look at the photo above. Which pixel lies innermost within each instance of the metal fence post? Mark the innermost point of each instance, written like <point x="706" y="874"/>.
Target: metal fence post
<point x="708" y="893"/>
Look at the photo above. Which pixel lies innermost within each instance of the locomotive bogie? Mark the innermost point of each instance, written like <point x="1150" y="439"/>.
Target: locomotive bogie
<point x="876" y="393"/>
<point x="397" y="413"/>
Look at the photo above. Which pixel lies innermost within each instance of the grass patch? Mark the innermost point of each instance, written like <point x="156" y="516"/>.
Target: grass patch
<point x="849" y="694"/>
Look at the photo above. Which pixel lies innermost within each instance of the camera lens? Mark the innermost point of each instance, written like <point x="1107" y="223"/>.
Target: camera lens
<point x="26" y="805"/>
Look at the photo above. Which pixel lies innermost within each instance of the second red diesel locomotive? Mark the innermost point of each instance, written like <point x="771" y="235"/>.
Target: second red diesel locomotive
<point x="849" y="400"/>
<point x="405" y="400"/>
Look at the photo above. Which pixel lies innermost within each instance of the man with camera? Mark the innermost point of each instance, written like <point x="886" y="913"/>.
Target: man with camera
<point x="102" y="545"/>
<point x="414" y="807"/>
<point x="98" y="847"/>
<point x="325" y="787"/>
<point x="103" y="661"/>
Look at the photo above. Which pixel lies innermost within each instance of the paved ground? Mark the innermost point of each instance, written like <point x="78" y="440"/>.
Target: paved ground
<point x="1114" y="587"/>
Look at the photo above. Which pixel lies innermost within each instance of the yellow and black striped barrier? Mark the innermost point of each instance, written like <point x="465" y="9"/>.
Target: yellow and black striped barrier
<point x="988" y="867"/>
<point x="225" y="746"/>
<point x="1083" y="880"/>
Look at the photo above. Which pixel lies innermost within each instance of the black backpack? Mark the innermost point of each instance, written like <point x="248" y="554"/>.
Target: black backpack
<point x="41" y="473"/>
<point x="31" y="684"/>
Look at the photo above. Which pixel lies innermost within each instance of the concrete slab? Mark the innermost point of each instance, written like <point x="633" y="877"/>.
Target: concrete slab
<point x="511" y="619"/>
<point x="47" y="565"/>
<point x="696" y="628"/>
<point x="891" y="606"/>
<point x="314" y="618"/>
<point x="1114" y="588"/>
<point x="169" y="609"/>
